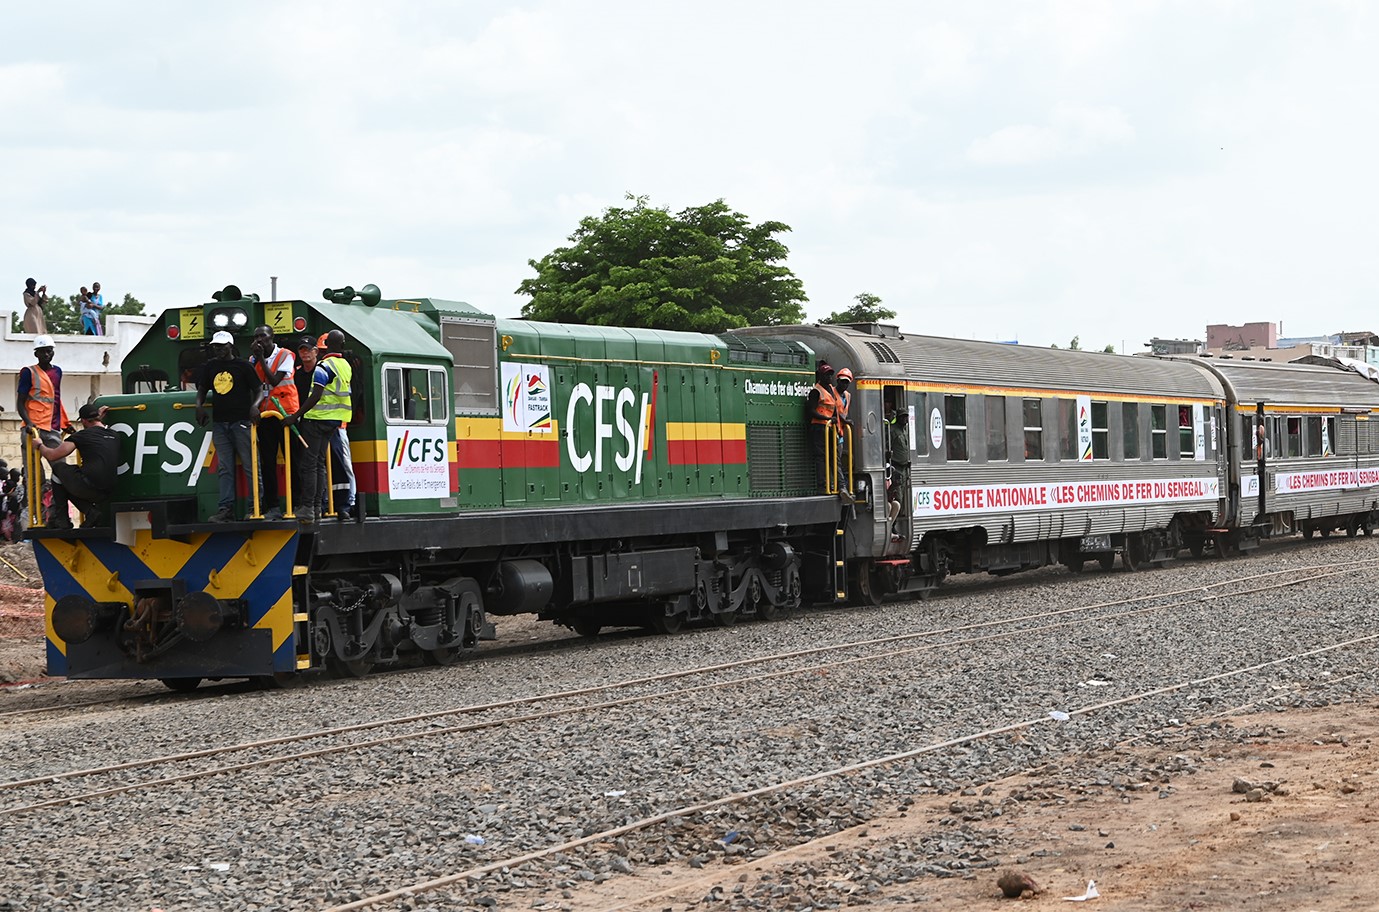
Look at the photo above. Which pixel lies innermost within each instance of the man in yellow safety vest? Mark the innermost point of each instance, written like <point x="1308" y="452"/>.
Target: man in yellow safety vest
<point x="327" y="406"/>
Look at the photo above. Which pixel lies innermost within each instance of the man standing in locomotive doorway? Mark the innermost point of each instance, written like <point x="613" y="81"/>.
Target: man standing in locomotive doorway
<point x="321" y="415"/>
<point x="822" y="406"/>
<point x="234" y="407"/>
<point x="275" y="367"/>
<point x="842" y="384"/>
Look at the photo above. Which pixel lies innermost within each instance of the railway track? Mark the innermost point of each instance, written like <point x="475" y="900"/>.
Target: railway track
<point x="699" y="808"/>
<point x="478" y="717"/>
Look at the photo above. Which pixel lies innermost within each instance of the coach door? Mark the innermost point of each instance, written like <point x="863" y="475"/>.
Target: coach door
<point x="897" y="445"/>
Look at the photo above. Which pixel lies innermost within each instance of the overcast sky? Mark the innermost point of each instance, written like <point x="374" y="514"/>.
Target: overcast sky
<point x="1030" y="171"/>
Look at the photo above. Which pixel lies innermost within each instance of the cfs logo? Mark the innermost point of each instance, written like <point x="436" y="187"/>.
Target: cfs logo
<point x="167" y="449"/>
<point x="613" y="410"/>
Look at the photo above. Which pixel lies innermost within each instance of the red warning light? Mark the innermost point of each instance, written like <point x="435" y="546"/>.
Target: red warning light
<point x="299" y="324"/>
<point x="174" y="332"/>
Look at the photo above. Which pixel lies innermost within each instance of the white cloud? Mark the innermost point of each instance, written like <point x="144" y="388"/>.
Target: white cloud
<point x="1071" y="130"/>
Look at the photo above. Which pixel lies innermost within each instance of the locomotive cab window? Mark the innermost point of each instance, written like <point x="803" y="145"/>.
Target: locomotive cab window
<point x="414" y="395"/>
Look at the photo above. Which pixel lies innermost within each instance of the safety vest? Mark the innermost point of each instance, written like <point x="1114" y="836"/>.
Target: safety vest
<point x="285" y="392"/>
<point x="43" y="401"/>
<point x="844" y="402"/>
<point x="334" y="404"/>
<point x="827" y="408"/>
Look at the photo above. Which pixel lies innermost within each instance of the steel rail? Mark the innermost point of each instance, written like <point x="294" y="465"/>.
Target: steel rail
<point x="658" y="695"/>
<point x="699" y="808"/>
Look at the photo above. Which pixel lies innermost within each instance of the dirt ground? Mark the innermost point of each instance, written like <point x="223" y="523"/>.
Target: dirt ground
<point x="1307" y="839"/>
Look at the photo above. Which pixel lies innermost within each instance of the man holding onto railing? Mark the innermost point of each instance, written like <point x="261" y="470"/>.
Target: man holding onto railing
<point x="275" y="367"/>
<point x="822" y="407"/>
<point x="89" y="484"/>
<point x="234" y="407"/>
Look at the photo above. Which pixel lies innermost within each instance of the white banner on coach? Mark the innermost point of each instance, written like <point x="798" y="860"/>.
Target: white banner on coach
<point x="1058" y="496"/>
<point x="1329" y="480"/>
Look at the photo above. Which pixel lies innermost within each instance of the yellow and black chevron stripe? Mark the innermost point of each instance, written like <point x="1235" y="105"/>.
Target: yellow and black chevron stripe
<point x="253" y="566"/>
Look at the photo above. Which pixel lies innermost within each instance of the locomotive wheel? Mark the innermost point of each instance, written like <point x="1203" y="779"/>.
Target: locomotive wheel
<point x="768" y="612"/>
<point x="446" y="655"/>
<point x="181" y="685"/>
<point x="725" y="618"/>
<point x="1107" y="560"/>
<point x="668" y="623"/>
<point x="1130" y="557"/>
<point x="279" y="680"/>
<point x="866" y="588"/>
<point x="352" y="668"/>
<point x="587" y="628"/>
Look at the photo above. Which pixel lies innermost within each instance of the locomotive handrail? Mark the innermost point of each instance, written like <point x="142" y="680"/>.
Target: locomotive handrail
<point x="255" y="480"/>
<point x="33" y="485"/>
<point x="287" y="466"/>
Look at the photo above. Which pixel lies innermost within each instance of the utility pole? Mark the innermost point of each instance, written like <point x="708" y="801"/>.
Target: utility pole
<point x="273" y="295"/>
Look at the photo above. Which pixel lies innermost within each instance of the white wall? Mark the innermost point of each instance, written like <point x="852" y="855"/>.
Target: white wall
<point x="90" y="368"/>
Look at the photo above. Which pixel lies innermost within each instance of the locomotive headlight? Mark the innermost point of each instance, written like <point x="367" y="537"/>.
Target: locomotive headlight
<point x="239" y="318"/>
<point x="220" y="320"/>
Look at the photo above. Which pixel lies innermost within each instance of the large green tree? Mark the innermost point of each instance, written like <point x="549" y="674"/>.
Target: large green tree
<point x="63" y="313"/>
<point x="868" y="309"/>
<point x="704" y="269"/>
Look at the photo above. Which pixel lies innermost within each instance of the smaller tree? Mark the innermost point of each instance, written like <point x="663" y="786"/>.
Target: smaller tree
<point x="868" y="309"/>
<point x="1110" y="349"/>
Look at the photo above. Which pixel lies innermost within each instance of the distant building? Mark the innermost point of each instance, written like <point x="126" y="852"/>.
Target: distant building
<point x="1175" y="346"/>
<point x="1224" y="337"/>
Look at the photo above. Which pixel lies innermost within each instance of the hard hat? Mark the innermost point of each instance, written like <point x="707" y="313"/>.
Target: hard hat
<point x="844" y="374"/>
<point x="42" y="342"/>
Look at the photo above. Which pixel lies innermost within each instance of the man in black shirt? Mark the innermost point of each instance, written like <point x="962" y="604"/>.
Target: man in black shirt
<point x="234" y="407"/>
<point x="90" y="484"/>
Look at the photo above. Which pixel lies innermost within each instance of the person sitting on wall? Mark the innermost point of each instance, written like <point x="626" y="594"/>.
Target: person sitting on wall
<point x="89" y="484"/>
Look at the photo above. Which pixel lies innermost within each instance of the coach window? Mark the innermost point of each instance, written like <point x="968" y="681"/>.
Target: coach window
<point x="1294" y="437"/>
<point x="1329" y="438"/>
<point x="1314" y="436"/>
<point x="1158" y="430"/>
<point x="997" y="447"/>
<point x="1067" y="425"/>
<point x="1187" y="444"/>
<point x="1101" y="432"/>
<point x="1034" y="430"/>
<point x="414" y="395"/>
<point x="955" y="427"/>
<point x="1130" y="429"/>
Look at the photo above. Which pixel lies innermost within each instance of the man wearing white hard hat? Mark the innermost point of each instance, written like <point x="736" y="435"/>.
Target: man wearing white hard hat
<point x="40" y="394"/>
<point x="235" y="391"/>
<point x="40" y="402"/>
